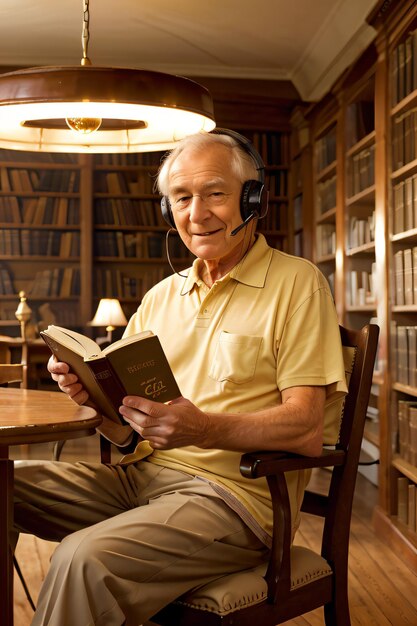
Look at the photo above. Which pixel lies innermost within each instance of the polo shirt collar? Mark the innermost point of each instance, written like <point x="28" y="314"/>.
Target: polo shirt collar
<point x="251" y="270"/>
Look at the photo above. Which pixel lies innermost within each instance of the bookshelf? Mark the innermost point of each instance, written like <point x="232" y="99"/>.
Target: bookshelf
<point x="273" y="146"/>
<point x="401" y="454"/>
<point x="325" y="129"/>
<point x="364" y="173"/>
<point x="300" y="185"/>
<point x="40" y="235"/>
<point x="360" y="293"/>
<point x="129" y="254"/>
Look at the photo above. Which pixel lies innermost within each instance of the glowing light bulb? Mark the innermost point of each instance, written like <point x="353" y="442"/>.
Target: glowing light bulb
<point x="84" y="125"/>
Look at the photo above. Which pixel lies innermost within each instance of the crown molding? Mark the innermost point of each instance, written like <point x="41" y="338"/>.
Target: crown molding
<point x="342" y="39"/>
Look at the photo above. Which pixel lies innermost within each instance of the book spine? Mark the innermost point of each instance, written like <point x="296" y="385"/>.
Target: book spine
<point x="108" y="381"/>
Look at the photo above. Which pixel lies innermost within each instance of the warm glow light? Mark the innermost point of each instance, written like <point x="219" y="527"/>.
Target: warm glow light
<point x="140" y="111"/>
<point x="84" y="125"/>
<point x="109" y="313"/>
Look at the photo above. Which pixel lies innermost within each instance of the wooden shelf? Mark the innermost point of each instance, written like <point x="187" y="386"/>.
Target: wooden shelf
<point x="366" y="196"/>
<point x="366" y="141"/>
<point x="326" y="172"/>
<point x="410" y="471"/>
<point x="328" y="217"/>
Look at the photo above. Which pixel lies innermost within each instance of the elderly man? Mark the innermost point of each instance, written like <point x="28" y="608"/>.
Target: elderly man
<point x="252" y="337"/>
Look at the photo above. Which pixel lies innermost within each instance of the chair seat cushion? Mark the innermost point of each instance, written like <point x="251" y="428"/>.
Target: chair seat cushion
<point x="243" y="589"/>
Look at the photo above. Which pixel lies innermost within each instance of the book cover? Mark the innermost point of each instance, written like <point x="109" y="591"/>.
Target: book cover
<point x="134" y="365"/>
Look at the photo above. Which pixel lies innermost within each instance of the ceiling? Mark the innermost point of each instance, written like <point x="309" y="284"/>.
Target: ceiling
<point x="308" y="42"/>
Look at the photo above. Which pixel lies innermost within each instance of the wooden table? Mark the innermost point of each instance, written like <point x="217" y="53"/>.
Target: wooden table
<point x="28" y="416"/>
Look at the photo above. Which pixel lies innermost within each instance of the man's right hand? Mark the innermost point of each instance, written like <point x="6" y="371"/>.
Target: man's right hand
<point x="67" y="382"/>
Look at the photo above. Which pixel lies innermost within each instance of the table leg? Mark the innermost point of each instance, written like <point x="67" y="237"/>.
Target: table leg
<point x="6" y="520"/>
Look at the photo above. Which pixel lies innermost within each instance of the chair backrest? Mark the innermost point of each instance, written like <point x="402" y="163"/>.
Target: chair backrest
<point x="11" y="373"/>
<point x="336" y="507"/>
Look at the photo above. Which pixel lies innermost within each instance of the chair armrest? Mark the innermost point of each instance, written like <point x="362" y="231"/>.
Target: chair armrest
<point x="273" y="466"/>
<point x="258" y="464"/>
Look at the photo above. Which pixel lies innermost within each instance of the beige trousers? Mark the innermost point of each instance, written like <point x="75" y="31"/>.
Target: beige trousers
<point x="133" y="538"/>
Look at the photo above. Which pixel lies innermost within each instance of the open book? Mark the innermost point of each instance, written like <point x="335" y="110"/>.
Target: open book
<point x="134" y="365"/>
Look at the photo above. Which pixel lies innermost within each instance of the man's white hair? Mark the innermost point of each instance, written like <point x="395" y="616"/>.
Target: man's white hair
<point x="243" y="165"/>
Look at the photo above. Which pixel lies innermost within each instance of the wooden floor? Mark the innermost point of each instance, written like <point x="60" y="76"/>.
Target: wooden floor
<point x="382" y="590"/>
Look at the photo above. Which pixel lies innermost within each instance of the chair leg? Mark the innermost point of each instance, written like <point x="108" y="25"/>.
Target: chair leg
<point x="336" y="613"/>
<point x="58" y="449"/>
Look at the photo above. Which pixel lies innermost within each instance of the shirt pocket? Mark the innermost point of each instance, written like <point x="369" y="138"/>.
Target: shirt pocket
<point x="235" y="358"/>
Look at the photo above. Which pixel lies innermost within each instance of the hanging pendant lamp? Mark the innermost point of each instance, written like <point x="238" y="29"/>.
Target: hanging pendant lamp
<point x="99" y="109"/>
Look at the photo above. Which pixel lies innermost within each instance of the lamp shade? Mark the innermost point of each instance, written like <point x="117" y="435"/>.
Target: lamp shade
<point x="136" y="110"/>
<point x="109" y="314"/>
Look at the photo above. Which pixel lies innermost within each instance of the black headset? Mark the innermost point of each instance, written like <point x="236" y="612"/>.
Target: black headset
<point x="254" y="196"/>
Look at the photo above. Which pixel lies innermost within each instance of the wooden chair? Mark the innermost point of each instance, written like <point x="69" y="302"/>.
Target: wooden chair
<point x="11" y="373"/>
<point x="296" y="580"/>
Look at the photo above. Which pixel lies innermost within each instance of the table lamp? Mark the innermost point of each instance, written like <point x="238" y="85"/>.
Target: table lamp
<point x="109" y="314"/>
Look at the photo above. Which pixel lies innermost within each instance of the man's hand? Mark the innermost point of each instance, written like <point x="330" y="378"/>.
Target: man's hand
<point x="295" y="425"/>
<point x="67" y="382"/>
<point x="173" y="425"/>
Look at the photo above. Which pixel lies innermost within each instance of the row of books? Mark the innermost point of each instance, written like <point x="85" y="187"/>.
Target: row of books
<point x="407" y="431"/>
<point x="404" y="138"/>
<point x="326" y="240"/>
<point x="27" y="242"/>
<point x="128" y="212"/>
<point x="57" y="211"/>
<point x="298" y="211"/>
<point x="117" y="183"/>
<point x="6" y="282"/>
<point x="8" y="312"/>
<point x="20" y="156"/>
<point x="139" y="159"/>
<point x="331" y="280"/>
<point x="325" y="150"/>
<point x="404" y="344"/>
<point x="277" y="183"/>
<point x="299" y="244"/>
<point x="141" y="245"/>
<point x="22" y="180"/>
<point x="407" y="502"/>
<point x="403" y="68"/>
<point x="405" y="204"/>
<point x="273" y="147"/>
<point x="63" y="282"/>
<point x="360" y="121"/>
<point x="361" y="230"/>
<point x="275" y="219"/>
<point x="362" y="287"/>
<point x="111" y="283"/>
<point x="405" y="277"/>
<point x="361" y="171"/>
<point x="326" y="195"/>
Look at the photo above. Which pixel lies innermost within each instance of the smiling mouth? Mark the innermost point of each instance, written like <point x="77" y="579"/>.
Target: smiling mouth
<point x="207" y="233"/>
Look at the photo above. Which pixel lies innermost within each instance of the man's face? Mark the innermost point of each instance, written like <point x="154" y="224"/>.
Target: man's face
<point x="205" y="200"/>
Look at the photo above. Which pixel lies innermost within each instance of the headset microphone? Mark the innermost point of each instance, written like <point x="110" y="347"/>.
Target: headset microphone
<point x="250" y="217"/>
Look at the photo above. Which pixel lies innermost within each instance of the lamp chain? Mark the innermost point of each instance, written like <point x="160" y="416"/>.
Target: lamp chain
<point x="85" y="37"/>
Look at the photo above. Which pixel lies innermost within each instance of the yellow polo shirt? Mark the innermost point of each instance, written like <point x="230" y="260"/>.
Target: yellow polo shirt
<point x="268" y="325"/>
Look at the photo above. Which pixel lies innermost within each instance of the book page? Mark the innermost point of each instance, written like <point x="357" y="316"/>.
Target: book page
<point x="80" y="344"/>
<point x="125" y="341"/>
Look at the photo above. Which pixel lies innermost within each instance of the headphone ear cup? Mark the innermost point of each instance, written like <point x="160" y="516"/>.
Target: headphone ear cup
<point x="166" y="212"/>
<point x="253" y="199"/>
